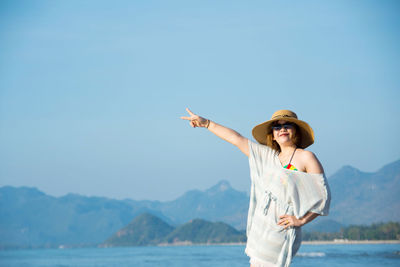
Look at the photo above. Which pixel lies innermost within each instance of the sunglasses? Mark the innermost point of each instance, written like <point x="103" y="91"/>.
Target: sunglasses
<point x="278" y="127"/>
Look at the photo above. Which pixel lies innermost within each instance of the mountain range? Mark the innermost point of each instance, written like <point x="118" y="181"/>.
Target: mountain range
<point x="30" y="218"/>
<point x="147" y="229"/>
<point x="365" y="198"/>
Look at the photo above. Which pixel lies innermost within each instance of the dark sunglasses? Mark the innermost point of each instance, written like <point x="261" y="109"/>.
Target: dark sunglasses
<point x="278" y="127"/>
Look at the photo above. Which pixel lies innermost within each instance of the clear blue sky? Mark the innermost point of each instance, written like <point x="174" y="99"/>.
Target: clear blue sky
<point x="91" y="92"/>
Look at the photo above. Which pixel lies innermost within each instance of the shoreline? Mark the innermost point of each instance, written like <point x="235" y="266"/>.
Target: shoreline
<point x="188" y="244"/>
<point x="350" y="242"/>
<point x="313" y="242"/>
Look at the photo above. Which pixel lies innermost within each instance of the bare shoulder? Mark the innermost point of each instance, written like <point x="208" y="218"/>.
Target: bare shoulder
<point x="307" y="155"/>
<point x="311" y="162"/>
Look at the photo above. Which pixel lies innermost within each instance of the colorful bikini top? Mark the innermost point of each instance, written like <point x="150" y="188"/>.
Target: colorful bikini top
<point x="290" y="166"/>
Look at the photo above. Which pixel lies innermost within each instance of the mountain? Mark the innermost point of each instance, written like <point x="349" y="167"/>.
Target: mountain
<point x="147" y="229"/>
<point x="219" y="203"/>
<point x="30" y="218"/>
<point x="323" y="224"/>
<point x="366" y="198"/>
<point x="201" y="231"/>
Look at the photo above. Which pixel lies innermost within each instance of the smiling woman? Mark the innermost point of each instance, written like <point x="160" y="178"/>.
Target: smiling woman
<point x="277" y="126"/>
<point x="283" y="198"/>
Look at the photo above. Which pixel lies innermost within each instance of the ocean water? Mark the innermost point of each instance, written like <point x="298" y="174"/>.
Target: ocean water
<point x="208" y="256"/>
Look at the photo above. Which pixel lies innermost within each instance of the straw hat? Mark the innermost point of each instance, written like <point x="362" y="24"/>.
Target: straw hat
<point x="307" y="134"/>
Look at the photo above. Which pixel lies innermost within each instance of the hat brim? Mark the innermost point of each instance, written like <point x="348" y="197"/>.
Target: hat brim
<point x="260" y="131"/>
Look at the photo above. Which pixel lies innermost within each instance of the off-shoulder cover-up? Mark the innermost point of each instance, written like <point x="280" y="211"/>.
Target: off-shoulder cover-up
<point x="277" y="191"/>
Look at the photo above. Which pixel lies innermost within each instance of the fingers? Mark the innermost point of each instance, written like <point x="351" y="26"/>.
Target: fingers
<point x="194" y="119"/>
<point x="282" y="222"/>
<point x="191" y="113"/>
<point x="188" y="118"/>
<point x="285" y="221"/>
<point x="193" y="123"/>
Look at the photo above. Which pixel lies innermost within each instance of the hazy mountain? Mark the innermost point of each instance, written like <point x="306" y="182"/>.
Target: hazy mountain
<point x="147" y="229"/>
<point x="201" y="231"/>
<point x="32" y="218"/>
<point x="323" y="224"/>
<point x="366" y="198"/>
<point x="219" y="203"/>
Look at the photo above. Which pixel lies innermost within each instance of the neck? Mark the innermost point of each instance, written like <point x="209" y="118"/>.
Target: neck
<point x="287" y="148"/>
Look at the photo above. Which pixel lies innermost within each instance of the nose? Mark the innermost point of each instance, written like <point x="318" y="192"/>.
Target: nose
<point x="283" y="131"/>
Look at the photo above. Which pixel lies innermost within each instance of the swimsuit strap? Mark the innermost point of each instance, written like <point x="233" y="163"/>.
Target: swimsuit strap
<point x="292" y="156"/>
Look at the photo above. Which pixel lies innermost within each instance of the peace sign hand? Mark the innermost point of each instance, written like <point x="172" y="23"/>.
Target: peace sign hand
<point x="195" y="120"/>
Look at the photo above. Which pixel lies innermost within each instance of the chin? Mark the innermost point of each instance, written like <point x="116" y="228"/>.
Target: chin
<point x="284" y="138"/>
<point x="287" y="141"/>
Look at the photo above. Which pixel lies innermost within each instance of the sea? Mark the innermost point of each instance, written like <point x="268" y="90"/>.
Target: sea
<point x="326" y="255"/>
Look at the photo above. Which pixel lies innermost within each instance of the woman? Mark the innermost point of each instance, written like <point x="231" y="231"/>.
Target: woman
<point x="288" y="184"/>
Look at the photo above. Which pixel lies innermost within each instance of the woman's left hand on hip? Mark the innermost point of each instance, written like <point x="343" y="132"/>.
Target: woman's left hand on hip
<point x="289" y="220"/>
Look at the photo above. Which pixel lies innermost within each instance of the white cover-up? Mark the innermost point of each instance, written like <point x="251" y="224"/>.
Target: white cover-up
<point x="276" y="191"/>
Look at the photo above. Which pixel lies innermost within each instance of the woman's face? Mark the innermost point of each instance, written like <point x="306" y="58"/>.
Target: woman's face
<point x="285" y="134"/>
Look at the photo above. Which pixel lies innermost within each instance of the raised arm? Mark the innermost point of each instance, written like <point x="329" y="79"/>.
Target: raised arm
<point x="223" y="132"/>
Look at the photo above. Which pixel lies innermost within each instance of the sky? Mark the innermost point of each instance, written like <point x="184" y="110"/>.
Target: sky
<point x="91" y="92"/>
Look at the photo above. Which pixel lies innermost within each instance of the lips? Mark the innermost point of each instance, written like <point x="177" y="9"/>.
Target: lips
<point x="283" y="134"/>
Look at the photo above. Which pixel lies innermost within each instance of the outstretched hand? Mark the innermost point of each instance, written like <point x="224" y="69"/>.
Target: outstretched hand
<point x="196" y="120"/>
